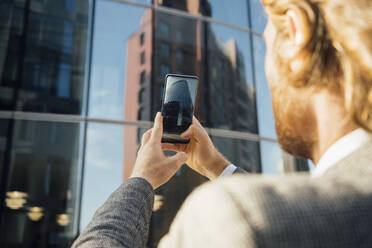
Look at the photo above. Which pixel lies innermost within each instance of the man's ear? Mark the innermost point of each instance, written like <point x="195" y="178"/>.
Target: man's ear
<point x="298" y="27"/>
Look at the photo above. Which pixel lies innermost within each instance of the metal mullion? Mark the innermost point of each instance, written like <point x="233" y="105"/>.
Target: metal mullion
<point x="18" y="115"/>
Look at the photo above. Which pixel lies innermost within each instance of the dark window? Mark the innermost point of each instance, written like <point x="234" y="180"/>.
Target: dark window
<point x="70" y="5"/>
<point x="143" y="77"/>
<point x="142" y="38"/>
<point x="23" y="133"/>
<point x="179" y="36"/>
<point x="164" y="29"/>
<point x="140" y="114"/>
<point x="161" y="92"/>
<point x="64" y="81"/>
<point x="143" y="58"/>
<point x="57" y="49"/>
<point x="53" y="132"/>
<point x="68" y="36"/>
<point x="164" y="70"/>
<point x="140" y="95"/>
<point x="165" y="50"/>
<point x="179" y="57"/>
<point x="139" y="135"/>
<point x="41" y="173"/>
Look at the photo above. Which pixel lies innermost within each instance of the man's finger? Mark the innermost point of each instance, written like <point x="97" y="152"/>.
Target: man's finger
<point x="188" y="133"/>
<point x="169" y="147"/>
<point x="195" y="131"/>
<point x="146" y="137"/>
<point x="157" y="130"/>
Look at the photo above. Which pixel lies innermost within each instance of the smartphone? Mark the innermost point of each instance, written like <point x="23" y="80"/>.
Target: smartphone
<point x="178" y="106"/>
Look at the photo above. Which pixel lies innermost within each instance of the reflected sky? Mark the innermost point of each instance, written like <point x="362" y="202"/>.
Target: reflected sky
<point x="264" y="107"/>
<point x="258" y="16"/>
<point x="103" y="171"/>
<point x="114" y="24"/>
<point x="234" y="12"/>
<point x="271" y="157"/>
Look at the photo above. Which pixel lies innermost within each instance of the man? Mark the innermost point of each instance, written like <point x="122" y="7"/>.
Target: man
<point x="319" y="67"/>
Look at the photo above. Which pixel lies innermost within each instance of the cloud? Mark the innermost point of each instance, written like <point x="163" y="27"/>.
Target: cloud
<point x="104" y="146"/>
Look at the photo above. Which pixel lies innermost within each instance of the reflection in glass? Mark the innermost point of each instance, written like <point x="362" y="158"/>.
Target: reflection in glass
<point x="220" y="56"/>
<point x="104" y="164"/>
<point x="264" y="108"/>
<point x="42" y="57"/>
<point x="233" y="12"/>
<point x="272" y="158"/>
<point x="43" y="182"/>
<point x="4" y="126"/>
<point x="258" y="16"/>
<point x="35" y="213"/>
<point x="117" y="72"/>
<point x="179" y="104"/>
<point x="242" y="153"/>
<point x="229" y="96"/>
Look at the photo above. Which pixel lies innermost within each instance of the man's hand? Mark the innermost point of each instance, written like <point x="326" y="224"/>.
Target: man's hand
<point x="151" y="163"/>
<point x="202" y="156"/>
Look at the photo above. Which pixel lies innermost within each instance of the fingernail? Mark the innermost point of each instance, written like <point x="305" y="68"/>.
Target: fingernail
<point x="157" y="115"/>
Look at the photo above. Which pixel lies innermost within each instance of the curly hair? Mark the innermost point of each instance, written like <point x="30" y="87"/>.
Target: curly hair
<point x="340" y="50"/>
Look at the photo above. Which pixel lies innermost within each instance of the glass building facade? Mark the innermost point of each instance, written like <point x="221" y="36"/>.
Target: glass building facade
<point x="80" y="81"/>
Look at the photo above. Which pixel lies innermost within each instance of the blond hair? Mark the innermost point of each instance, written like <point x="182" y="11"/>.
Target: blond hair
<point x="340" y="50"/>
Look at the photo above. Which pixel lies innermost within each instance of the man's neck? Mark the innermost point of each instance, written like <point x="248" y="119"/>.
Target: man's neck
<point x="332" y="122"/>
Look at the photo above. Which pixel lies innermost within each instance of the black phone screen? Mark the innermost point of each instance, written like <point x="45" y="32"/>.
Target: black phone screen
<point x="178" y="106"/>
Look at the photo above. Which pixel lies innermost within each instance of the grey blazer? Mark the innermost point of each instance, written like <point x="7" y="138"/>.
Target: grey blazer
<point x="334" y="210"/>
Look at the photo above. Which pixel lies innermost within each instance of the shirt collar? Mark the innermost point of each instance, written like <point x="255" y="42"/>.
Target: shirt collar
<point x="340" y="150"/>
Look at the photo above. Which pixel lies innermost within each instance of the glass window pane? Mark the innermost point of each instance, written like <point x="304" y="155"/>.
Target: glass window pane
<point x="271" y="158"/>
<point x="11" y="29"/>
<point x="46" y="57"/>
<point x="4" y="129"/>
<point x="103" y="169"/>
<point x="220" y="56"/>
<point x="116" y="60"/>
<point x="264" y="108"/>
<point x="258" y="16"/>
<point x="233" y="12"/>
<point x="242" y="153"/>
<point x="164" y="50"/>
<point x="43" y="185"/>
<point x="228" y="101"/>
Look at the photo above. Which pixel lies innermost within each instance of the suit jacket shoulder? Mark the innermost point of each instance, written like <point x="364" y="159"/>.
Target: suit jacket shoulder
<point x="287" y="211"/>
